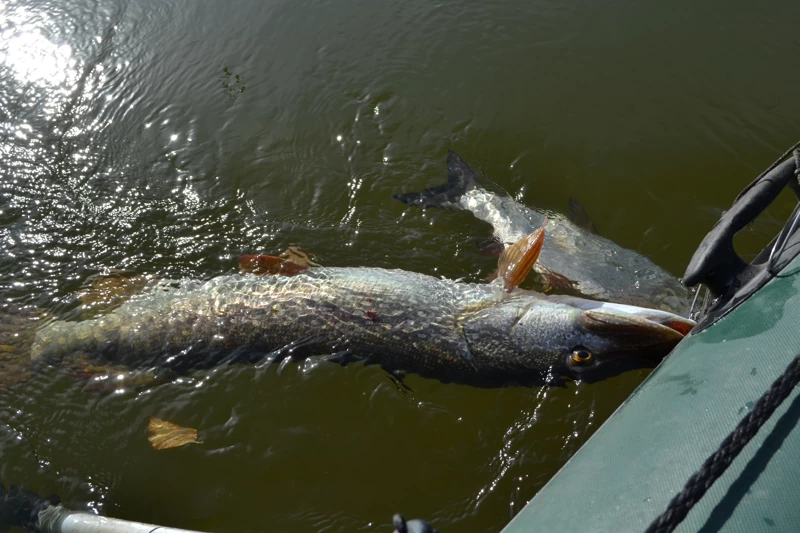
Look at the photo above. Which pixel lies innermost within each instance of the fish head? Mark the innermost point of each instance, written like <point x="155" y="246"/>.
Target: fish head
<point x="589" y="341"/>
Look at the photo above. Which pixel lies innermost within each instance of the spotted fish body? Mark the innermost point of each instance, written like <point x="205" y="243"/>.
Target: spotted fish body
<point x="401" y="320"/>
<point x="573" y="260"/>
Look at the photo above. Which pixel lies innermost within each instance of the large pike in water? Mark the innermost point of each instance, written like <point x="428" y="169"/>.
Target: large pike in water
<point x="574" y="259"/>
<point x="482" y="334"/>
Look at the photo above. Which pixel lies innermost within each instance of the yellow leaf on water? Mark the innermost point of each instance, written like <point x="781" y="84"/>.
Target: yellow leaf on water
<point x="163" y="434"/>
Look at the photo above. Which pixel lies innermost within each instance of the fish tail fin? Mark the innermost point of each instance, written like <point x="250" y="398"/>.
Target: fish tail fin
<point x="18" y="326"/>
<point x="460" y="179"/>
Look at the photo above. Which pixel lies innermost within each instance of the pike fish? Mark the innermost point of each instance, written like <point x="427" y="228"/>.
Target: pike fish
<point x="574" y="260"/>
<point x="481" y="334"/>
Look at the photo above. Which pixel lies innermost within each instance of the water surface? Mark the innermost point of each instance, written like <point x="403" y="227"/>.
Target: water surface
<point x="169" y="138"/>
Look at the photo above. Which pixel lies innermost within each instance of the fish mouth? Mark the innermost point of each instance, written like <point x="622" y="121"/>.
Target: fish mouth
<point x="636" y="337"/>
<point x="619" y="320"/>
<point x="606" y="318"/>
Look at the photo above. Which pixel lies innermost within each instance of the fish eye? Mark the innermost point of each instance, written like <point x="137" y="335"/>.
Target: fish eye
<point x="582" y="356"/>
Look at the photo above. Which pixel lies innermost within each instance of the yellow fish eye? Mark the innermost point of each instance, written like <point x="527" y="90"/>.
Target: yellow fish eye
<point x="582" y="356"/>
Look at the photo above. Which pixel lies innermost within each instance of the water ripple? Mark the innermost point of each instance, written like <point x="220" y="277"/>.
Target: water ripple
<point x="168" y="138"/>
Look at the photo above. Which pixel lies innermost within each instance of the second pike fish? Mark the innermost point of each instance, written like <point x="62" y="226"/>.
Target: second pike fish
<point x="574" y="260"/>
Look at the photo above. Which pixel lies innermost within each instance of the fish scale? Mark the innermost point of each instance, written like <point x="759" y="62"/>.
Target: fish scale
<point x="398" y="319"/>
<point x="363" y="311"/>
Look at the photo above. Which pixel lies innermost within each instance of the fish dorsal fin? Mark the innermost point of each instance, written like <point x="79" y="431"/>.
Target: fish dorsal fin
<point x="578" y="215"/>
<point x="517" y="260"/>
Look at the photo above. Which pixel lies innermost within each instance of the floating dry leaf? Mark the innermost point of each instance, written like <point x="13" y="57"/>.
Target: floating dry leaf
<point x="163" y="434"/>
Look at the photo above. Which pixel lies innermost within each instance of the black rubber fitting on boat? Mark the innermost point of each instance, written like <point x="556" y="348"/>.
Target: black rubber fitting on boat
<point x="401" y="525"/>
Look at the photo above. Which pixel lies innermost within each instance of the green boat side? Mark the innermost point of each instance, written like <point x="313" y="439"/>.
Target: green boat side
<point x="630" y="469"/>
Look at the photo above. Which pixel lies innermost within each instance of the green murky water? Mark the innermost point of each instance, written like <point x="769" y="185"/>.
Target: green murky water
<point x="169" y="138"/>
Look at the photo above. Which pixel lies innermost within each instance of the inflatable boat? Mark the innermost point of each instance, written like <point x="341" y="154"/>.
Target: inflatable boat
<point x="709" y="441"/>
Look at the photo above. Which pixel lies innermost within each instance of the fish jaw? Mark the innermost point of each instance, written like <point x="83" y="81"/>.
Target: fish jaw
<point x="589" y="340"/>
<point x="670" y="324"/>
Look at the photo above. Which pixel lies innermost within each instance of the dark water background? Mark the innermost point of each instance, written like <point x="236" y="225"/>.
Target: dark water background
<point x="170" y="137"/>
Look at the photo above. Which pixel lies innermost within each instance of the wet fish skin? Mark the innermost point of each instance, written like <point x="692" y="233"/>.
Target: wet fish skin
<point x="573" y="260"/>
<point x="451" y="331"/>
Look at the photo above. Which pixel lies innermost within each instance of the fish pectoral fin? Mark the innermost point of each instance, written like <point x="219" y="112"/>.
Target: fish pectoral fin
<point x="343" y="358"/>
<point x="578" y="215"/>
<point x="397" y="377"/>
<point x="517" y="260"/>
<point x="104" y="379"/>
<point x="463" y="349"/>
<point x="299" y="349"/>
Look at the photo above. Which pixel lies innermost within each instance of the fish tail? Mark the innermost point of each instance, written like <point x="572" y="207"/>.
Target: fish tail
<point x="460" y="180"/>
<point x="18" y="326"/>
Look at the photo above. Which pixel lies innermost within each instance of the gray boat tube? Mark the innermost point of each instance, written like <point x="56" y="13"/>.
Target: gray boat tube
<point x="59" y="519"/>
<point x="23" y="508"/>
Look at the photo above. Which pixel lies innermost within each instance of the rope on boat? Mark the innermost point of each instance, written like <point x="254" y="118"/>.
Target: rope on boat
<point x="719" y="461"/>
